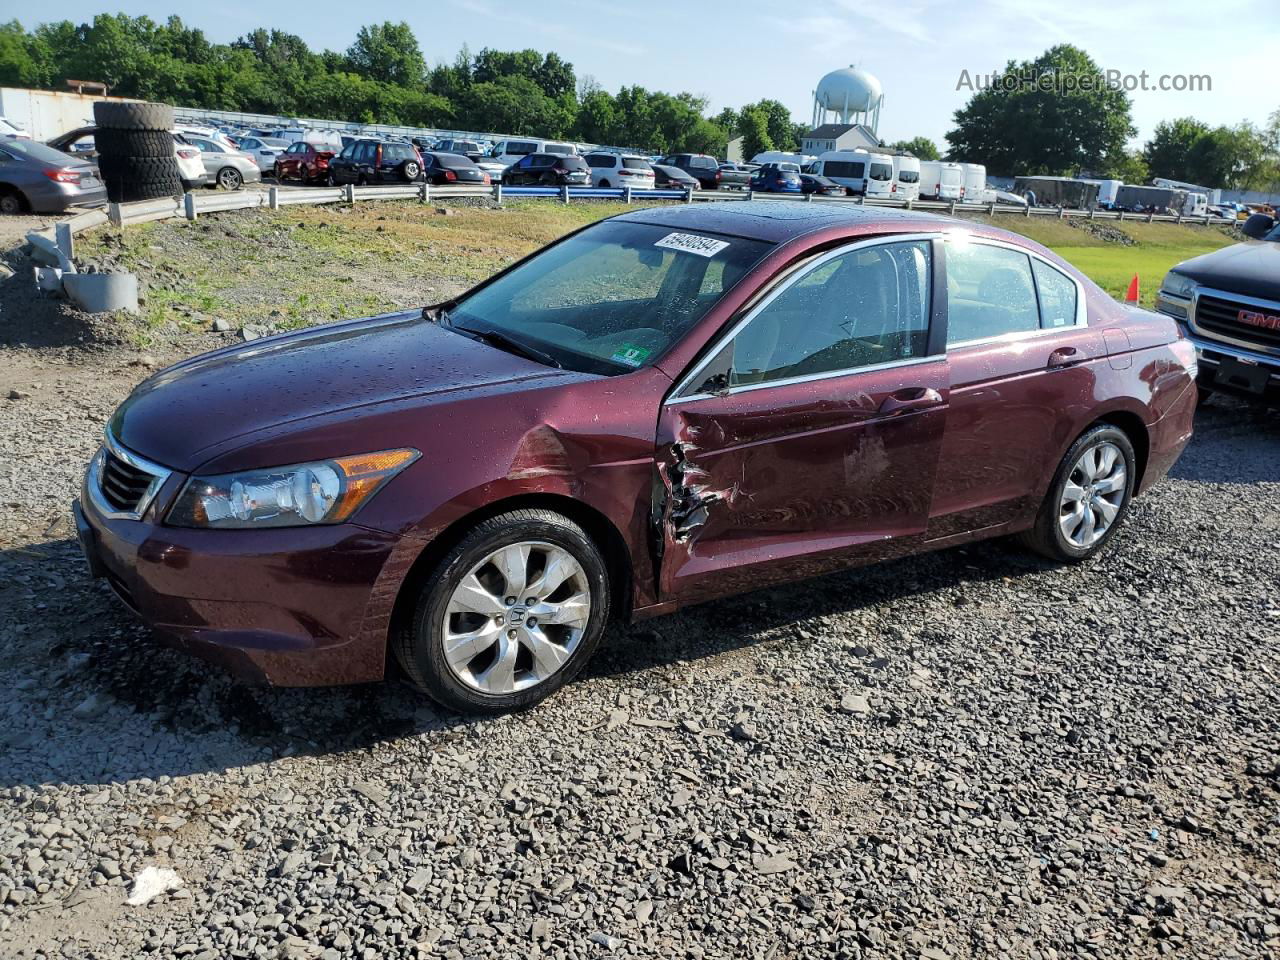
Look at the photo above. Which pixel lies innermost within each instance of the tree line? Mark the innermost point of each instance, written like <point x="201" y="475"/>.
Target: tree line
<point x="1030" y="127"/>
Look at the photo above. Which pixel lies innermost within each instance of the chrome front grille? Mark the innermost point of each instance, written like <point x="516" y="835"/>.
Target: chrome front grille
<point x="121" y="483"/>
<point x="1217" y="314"/>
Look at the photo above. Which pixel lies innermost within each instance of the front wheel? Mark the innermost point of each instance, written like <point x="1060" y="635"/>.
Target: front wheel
<point x="510" y="615"/>
<point x="229" y="178"/>
<point x="1089" y="497"/>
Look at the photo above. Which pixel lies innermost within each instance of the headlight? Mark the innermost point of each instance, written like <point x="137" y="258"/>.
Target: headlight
<point x="1178" y="284"/>
<point x="327" y="491"/>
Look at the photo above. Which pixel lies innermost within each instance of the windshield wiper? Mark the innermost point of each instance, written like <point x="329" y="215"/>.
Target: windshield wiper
<point x="496" y="338"/>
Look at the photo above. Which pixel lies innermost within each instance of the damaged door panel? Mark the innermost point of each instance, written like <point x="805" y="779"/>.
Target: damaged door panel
<point x="795" y="478"/>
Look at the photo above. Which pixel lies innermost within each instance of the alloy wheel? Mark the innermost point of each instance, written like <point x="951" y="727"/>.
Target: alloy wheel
<point x="1093" y="494"/>
<point x="516" y="618"/>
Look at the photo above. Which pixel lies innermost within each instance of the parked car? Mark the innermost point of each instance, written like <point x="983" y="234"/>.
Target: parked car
<point x="443" y="169"/>
<point x="10" y="129"/>
<point x="673" y="178"/>
<point x="676" y="404"/>
<point x="1228" y="303"/>
<point x="369" y="161"/>
<point x="735" y="177"/>
<point x="548" y="170"/>
<point x="619" y="170"/>
<point x="703" y="168"/>
<point x="264" y="150"/>
<point x="227" y="168"/>
<point x="510" y="151"/>
<point x="36" y="178"/>
<point x="777" y="178"/>
<point x="82" y="144"/>
<point x="467" y="148"/>
<point x="820" y="185"/>
<point x="307" y="162"/>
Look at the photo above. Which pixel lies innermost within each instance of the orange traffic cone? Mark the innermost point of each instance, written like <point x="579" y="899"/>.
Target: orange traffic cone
<point x="1132" y="295"/>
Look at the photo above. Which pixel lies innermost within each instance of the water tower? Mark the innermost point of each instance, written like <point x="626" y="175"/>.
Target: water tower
<point x="852" y="95"/>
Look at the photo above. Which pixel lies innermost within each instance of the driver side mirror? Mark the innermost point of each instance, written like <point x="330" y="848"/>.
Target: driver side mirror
<point x="1257" y="226"/>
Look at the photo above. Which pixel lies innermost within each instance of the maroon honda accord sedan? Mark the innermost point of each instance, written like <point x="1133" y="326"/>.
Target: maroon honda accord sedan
<point x="665" y="407"/>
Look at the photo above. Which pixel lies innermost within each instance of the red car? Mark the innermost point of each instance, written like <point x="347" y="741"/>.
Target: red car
<point x="308" y="162"/>
<point x="669" y="406"/>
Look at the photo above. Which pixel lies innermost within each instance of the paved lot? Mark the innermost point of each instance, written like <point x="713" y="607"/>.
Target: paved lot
<point x="970" y="754"/>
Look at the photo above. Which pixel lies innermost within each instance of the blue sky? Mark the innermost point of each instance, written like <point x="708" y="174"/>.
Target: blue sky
<point x="918" y="48"/>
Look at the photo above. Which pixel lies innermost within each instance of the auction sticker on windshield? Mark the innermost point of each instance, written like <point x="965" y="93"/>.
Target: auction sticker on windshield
<point x="631" y="355"/>
<point x="692" y="243"/>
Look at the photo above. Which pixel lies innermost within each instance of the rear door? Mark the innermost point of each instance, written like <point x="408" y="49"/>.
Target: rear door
<point x="1022" y="362"/>
<point x="809" y="438"/>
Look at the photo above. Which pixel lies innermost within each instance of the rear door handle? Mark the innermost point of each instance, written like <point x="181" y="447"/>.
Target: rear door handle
<point x="1065" y="357"/>
<point x="912" y="398"/>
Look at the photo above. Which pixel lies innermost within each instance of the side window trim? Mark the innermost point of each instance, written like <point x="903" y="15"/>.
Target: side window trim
<point x="1082" y="310"/>
<point x="696" y="375"/>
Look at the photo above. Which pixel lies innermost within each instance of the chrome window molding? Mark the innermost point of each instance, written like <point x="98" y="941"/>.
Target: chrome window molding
<point x="1260" y="349"/>
<point x="784" y="283"/>
<point x="93" y="479"/>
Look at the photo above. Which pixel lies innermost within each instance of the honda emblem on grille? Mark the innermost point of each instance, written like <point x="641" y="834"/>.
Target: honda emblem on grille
<point x="1253" y="318"/>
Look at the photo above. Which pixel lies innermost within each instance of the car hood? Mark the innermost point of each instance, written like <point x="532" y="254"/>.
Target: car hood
<point x="220" y="401"/>
<point x="1251" y="268"/>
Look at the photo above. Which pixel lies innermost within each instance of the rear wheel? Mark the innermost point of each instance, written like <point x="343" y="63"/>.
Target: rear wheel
<point x="11" y="201"/>
<point x="510" y="615"/>
<point x="229" y="178"/>
<point x="604" y="183"/>
<point x="1089" y="497"/>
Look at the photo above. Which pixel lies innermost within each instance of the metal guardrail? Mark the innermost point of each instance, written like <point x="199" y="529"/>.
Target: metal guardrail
<point x="58" y="242"/>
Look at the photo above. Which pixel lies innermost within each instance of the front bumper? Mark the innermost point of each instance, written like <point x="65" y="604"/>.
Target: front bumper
<point x="304" y="606"/>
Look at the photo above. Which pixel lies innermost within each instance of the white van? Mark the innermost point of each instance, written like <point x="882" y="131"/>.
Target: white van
<point x="975" y="182"/>
<point x="778" y="156"/>
<point x="859" y="172"/>
<point x="508" y="152"/>
<point x="940" y="180"/>
<point x="906" y="174"/>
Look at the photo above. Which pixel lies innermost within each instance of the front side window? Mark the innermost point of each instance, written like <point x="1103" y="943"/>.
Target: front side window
<point x="865" y="307"/>
<point x="1058" y="296"/>
<point x="613" y="297"/>
<point x="990" y="292"/>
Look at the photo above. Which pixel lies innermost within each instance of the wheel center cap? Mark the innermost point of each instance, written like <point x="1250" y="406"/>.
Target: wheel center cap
<point x="515" y="616"/>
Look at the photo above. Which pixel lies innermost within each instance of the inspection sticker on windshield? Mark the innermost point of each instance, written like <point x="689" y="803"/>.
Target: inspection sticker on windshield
<point x="692" y="243"/>
<point x="631" y="356"/>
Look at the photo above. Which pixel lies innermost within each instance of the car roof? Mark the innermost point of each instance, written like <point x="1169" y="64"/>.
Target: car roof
<point x="778" y="221"/>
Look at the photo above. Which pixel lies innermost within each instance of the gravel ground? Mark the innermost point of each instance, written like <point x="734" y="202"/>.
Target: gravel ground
<point x="968" y="754"/>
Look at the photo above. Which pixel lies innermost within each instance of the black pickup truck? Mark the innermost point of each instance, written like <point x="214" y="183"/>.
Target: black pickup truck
<point x="708" y="171"/>
<point x="1228" y="303"/>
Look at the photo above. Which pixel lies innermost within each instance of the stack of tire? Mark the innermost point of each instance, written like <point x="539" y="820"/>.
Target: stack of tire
<point x="136" y="155"/>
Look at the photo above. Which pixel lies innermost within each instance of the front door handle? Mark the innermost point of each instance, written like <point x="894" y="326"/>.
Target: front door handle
<point x="912" y="398"/>
<point x="1065" y="357"/>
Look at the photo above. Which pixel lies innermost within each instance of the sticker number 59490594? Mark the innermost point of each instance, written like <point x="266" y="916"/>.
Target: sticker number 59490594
<point x="692" y="243"/>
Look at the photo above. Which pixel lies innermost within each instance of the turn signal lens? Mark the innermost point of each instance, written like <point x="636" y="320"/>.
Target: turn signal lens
<point x="365" y="473"/>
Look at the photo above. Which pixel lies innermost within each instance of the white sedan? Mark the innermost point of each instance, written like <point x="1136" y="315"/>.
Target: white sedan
<point x="264" y="150"/>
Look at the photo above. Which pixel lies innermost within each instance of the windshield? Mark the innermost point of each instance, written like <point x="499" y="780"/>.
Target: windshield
<point x="612" y="298"/>
<point x="1274" y="234"/>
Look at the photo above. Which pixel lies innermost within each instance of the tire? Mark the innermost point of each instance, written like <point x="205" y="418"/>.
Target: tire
<point x="12" y="202"/>
<point x="411" y="171"/>
<point x="133" y="190"/>
<point x="1049" y="536"/>
<point x="605" y="184"/>
<point x="330" y="180"/>
<point x="133" y="143"/>
<point x="133" y="116"/>
<point x="1203" y="396"/>
<point x="229" y="178"/>
<point x="157" y="169"/>
<point x="460" y="684"/>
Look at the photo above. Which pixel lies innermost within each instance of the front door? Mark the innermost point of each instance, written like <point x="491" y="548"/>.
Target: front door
<point x="809" y="439"/>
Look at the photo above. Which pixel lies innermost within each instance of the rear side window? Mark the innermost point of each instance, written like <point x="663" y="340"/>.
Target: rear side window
<point x="704" y="163"/>
<point x="990" y="292"/>
<point x="1058" y="296"/>
<point x="563" y="149"/>
<point x="865" y="307"/>
<point x="521" y="147"/>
